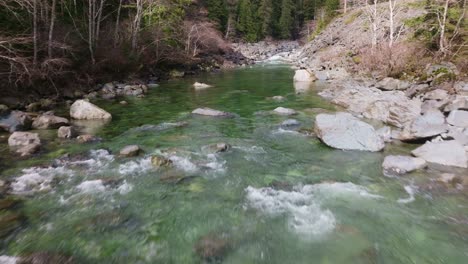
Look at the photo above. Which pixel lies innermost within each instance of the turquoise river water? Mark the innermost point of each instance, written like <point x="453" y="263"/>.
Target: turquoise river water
<point x="277" y="196"/>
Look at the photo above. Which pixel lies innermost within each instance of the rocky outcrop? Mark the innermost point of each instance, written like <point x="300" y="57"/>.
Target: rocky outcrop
<point x="391" y="107"/>
<point x="15" y="121"/>
<point x="85" y="110"/>
<point x="448" y="153"/>
<point x="49" y="121"/>
<point x="130" y="151"/>
<point x="205" y="111"/>
<point x="458" y="118"/>
<point x="344" y="131"/>
<point x="402" y="164"/>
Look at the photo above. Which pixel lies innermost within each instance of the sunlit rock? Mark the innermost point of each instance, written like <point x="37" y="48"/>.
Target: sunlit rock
<point x="84" y="110"/>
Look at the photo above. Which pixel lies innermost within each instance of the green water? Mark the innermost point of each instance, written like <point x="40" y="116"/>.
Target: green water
<point x="325" y="206"/>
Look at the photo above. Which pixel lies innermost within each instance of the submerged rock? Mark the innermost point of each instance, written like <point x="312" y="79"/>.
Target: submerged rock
<point x="284" y="111"/>
<point x="211" y="112"/>
<point x="87" y="138"/>
<point x="130" y="151"/>
<point x="84" y="110"/>
<point x="28" y="150"/>
<point x="448" y="153"/>
<point x="290" y="123"/>
<point x="9" y="222"/>
<point x="49" y="121"/>
<point x="45" y="258"/>
<point x="344" y="131"/>
<point x="15" y="121"/>
<point x="3" y="109"/>
<point x="160" y="162"/>
<point x="219" y="147"/>
<point x="67" y="132"/>
<point x="201" y="86"/>
<point x="458" y="118"/>
<point x="212" y="247"/>
<point x="278" y="98"/>
<point x="402" y="164"/>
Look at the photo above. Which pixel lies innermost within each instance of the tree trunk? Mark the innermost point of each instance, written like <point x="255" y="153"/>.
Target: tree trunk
<point x="51" y="28"/>
<point x="117" y="22"/>
<point x="35" y="38"/>
<point x="442" y="47"/>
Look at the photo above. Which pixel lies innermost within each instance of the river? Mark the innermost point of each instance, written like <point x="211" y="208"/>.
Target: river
<point x="277" y="196"/>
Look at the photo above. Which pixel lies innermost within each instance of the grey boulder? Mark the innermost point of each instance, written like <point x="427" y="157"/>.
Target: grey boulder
<point x="84" y="110"/>
<point x="448" y="153"/>
<point x="402" y="164"/>
<point x="344" y="131"/>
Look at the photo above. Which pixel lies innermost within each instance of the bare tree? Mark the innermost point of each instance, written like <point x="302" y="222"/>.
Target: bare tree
<point x="373" y="16"/>
<point x="137" y="23"/>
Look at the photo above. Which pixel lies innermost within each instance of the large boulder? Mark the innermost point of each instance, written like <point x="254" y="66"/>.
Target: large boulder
<point x="304" y="76"/>
<point x="344" y="131"/>
<point x="448" y="153"/>
<point x="459" y="103"/>
<point x="402" y="164"/>
<point x="391" y="107"/>
<point x="458" y="118"/>
<point x="20" y="139"/>
<point x="430" y="124"/>
<point x="85" y="110"/>
<point x="24" y="143"/>
<point x="205" y="111"/>
<point x="49" y="121"/>
<point x="390" y="84"/>
<point x="15" y="121"/>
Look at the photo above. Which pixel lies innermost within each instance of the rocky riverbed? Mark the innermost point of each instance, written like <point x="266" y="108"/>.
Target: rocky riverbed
<point x="190" y="175"/>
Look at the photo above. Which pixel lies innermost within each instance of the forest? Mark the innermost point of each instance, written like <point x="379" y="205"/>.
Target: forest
<point x="52" y="43"/>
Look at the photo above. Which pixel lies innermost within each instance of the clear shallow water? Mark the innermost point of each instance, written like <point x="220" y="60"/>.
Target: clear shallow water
<point x="277" y="196"/>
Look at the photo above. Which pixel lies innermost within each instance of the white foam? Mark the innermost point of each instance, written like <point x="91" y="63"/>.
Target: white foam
<point x="125" y="188"/>
<point x="100" y="159"/>
<point x="37" y="179"/>
<point x="411" y="198"/>
<point x="183" y="163"/>
<point x="214" y="164"/>
<point x="93" y="186"/>
<point x="334" y="189"/>
<point x="285" y="131"/>
<point x="8" y="260"/>
<point x="252" y="149"/>
<point x="134" y="167"/>
<point x="305" y="215"/>
<point x="303" y="204"/>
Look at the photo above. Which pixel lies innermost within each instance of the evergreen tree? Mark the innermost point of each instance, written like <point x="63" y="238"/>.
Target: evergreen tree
<point x="246" y="21"/>
<point x="286" y="20"/>
<point x="265" y="12"/>
<point x="217" y="11"/>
